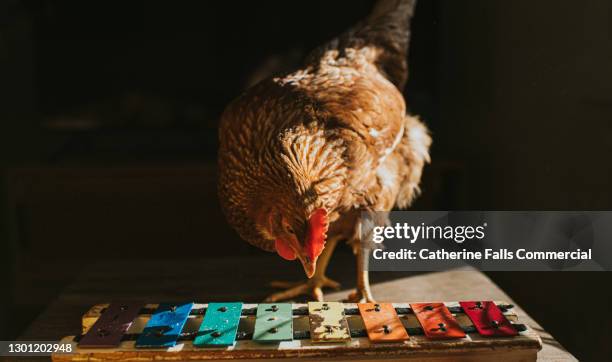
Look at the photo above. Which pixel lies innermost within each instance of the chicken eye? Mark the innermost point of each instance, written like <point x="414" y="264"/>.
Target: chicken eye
<point x="287" y="226"/>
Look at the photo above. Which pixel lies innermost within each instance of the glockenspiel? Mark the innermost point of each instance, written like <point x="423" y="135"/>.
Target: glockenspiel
<point x="433" y="331"/>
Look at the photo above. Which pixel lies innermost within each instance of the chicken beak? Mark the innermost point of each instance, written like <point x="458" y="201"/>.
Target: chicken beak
<point x="310" y="266"/>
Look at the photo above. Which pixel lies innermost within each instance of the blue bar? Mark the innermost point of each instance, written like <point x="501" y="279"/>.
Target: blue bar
<point x="165" y="326"/>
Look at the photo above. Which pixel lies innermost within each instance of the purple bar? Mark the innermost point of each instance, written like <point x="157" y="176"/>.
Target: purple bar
<point x="111" y="326"/>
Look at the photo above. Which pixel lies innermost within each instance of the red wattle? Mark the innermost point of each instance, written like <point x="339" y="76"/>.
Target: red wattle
<point x="315" y="238"/>
<point x="284" y="250"/>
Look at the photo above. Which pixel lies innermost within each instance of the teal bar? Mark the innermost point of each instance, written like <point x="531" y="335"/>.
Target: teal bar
<point x="220" y="325"/>
<point x="274" y="323"/>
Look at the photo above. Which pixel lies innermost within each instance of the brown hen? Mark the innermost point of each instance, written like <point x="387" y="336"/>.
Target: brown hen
<point x="303" y="154"/>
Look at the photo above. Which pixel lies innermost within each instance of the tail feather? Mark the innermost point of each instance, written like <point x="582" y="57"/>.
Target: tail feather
<point x="388" y="28"/>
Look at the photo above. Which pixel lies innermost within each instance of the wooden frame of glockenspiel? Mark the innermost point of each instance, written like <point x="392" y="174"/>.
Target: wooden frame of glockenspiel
<point x="473" y="347"/>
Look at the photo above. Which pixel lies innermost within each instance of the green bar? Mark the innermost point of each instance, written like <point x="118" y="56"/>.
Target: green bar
<point x="219" y="325"/>
<point x="274" y="323"/>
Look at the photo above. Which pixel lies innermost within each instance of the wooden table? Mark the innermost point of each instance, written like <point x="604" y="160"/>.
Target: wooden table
<point x="245" y="279"/>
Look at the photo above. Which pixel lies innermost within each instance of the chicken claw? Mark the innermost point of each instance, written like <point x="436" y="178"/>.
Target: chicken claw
<point x="312" y="287"/>
<point x="361" y="296"/>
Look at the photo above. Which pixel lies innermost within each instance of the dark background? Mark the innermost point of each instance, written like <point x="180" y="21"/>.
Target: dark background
<point x="108" y="114"/>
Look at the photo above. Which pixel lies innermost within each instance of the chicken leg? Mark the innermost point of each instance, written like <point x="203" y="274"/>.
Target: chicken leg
<point x="312" y="286"/>
<point x="362" y="294"/>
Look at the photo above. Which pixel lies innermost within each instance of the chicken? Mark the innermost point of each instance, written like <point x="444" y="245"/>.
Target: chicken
<point x="302" y="155"/>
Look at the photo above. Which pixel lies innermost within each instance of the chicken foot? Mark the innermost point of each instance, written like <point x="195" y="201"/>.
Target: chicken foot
<point x="313" y="286"/>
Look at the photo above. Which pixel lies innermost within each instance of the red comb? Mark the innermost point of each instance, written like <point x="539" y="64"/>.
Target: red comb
<point x="315" y="238"/>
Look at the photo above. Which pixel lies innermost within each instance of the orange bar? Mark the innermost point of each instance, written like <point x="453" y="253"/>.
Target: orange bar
<point x="382" y="323"/>
<point x="437" y="321"/>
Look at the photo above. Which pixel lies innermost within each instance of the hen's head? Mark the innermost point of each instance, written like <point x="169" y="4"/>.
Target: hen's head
<point x="295" y="211"/>
<point x="282" y="174"/>
<point x="296" y="237"/>
<point x="294" y="208"/>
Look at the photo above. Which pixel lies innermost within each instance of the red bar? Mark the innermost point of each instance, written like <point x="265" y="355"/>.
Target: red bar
<point x="488" y="319"/>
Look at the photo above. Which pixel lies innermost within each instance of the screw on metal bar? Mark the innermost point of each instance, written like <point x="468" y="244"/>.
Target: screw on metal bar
<point x="273" y="330"/>
<point x="173" y="308"/>
<point x="429" y="307"/>
<point x="216" y="334"/>
<point x="386" y="329"/>
<point x="377" y="307"/>
<point x="328" y="329"/>
<point x="274" y="308"/>
<point x="325" y="306"/>
<point x="442" y="327"/>
<point x="272" y="318"/>
<point x="156" y="332"/>
<point x="243" y="335"/>
<point x="495" y="324"/>
<point x="222" y="309"/>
